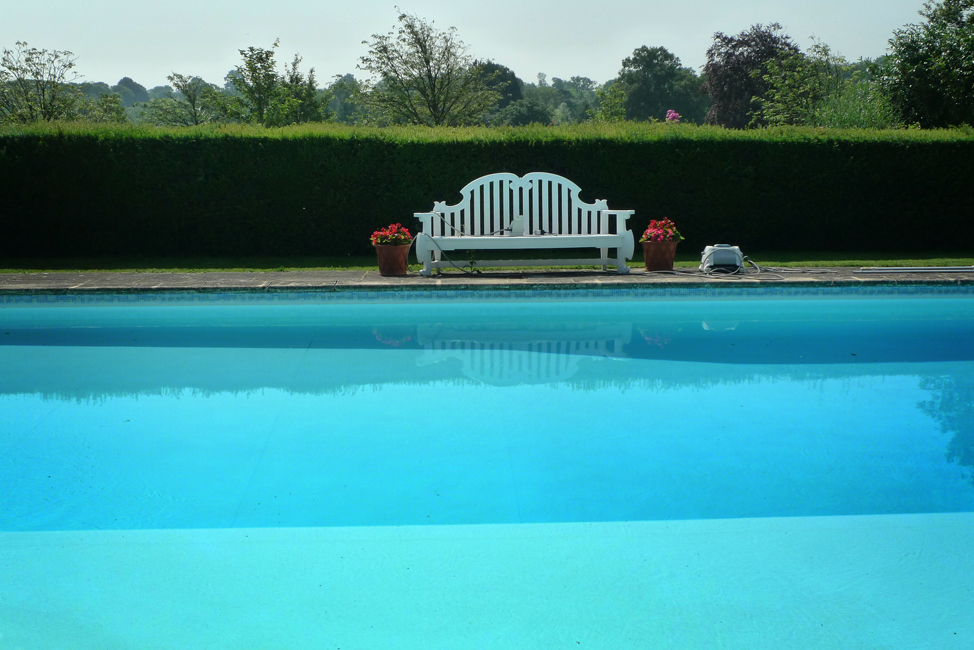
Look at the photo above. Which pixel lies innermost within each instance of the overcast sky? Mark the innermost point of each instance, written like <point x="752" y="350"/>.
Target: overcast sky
<point x="149" y="40"/>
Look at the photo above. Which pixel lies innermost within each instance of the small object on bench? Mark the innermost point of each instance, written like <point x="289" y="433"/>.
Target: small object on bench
<point x="507" y="212"/>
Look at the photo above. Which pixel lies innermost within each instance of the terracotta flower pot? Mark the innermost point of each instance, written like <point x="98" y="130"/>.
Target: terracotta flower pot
<point x="392" y="258"/>
<point x="659" y="255"/>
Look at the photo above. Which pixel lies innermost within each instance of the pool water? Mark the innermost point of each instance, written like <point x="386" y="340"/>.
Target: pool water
<point x="390" y="470"/>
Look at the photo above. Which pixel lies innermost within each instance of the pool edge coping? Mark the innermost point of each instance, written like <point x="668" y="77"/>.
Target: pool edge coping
<point x="493" y="286"/>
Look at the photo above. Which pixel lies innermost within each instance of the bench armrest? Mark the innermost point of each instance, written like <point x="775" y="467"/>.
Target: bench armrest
<point x="629" y="244"/>
<point x="426" y="218"/>
<point x="620" y="214"/>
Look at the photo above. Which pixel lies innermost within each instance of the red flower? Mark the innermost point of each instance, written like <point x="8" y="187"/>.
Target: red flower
<point x="664" y="230"/>
<point x="393" y="234"/>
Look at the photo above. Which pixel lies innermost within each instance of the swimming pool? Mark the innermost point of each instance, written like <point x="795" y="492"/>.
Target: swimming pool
<point x="616" y="468"/>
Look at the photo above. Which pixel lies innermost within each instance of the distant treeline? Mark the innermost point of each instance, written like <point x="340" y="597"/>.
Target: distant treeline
<point x="421" y="75"/>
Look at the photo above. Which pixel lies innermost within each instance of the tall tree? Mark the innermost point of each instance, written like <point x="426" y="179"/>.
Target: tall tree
<point x="543" y="93"/>
<point x="125" y="95"/>
<point x="299" y="99"/>
<point x="95" y="89"/>
<point x="502" y="79"/>
<point x="265" y="97"/>
<point x="257" y="81"/>
<point x="612" y="103"/>
<point x="735" y="71"/>
<point x="36" y="85"/>
<point x="929" y="72"/>
<point x="158" y="92"/>
<point x="819" y="88"/>
<point x="568" y="101"/>
<point x="137" y="95"/>
<point x="797" y="84"/>
<point x="345" y="94"/>
<point x="422" y="75"/>
<point x="576" y="98"/>
<point x="656" y="82"/>
<point x="103" y="108"/>
<point x="193" y="102"/>
<point x="522" y="113"/>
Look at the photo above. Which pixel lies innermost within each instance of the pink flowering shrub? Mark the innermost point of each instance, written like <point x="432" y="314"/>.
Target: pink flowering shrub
<point x="664" y="230"/>
<point x="672" y="117"/>
<point x="393" y="235"/>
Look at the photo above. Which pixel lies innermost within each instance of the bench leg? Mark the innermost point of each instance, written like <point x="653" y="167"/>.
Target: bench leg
<point x="604" y="254"/>
<point x="625" y="252"/>
<point x="424" y="253"/>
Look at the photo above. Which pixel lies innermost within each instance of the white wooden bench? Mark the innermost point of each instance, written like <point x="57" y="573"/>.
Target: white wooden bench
<point x="508" y="212"/>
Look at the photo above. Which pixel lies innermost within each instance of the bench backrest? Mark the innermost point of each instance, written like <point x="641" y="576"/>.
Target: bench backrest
<point x="547" y="202"/>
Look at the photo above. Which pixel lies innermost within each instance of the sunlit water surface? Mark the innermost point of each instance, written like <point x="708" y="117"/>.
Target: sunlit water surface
<point x="619" y="473"/>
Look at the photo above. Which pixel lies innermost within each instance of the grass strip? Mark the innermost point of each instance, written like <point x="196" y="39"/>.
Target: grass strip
<point x="200" y="264"/>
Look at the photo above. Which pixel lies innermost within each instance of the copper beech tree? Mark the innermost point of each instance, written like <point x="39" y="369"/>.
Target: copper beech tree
<point x="735" y="71"/>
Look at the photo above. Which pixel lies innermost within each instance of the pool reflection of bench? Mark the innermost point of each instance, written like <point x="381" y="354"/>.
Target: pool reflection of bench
<point x="501" y="356"/>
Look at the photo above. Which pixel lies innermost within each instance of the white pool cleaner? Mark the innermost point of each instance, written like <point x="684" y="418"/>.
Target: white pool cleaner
<point x="722" y="258"/>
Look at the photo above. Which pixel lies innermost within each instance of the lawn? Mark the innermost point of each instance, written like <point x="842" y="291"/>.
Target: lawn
<point x="202" y="264"/>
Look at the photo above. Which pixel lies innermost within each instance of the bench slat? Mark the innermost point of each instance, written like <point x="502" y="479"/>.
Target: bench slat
<point x="496" y="210"/>
<point x="476" y="211"/>
<point x="564" y="214"/>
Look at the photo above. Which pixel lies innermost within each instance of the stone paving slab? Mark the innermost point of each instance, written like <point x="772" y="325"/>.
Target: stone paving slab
<point x="98" y="281"/>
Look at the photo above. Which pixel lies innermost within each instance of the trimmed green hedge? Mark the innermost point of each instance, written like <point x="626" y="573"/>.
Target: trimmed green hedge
<point x="71" y="190"/>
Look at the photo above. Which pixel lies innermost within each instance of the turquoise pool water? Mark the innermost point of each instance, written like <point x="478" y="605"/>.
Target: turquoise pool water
<point x="614" y="469"/>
